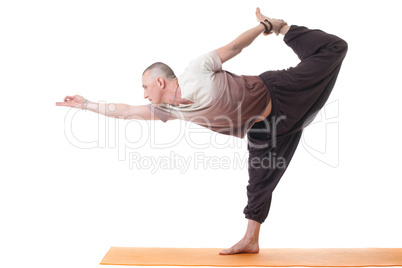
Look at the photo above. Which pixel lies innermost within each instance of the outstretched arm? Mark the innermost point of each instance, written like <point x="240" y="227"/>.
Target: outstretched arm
<point x="123" y="111"/>
<point x="245" y="39"/>
<point x="236" y="46"/>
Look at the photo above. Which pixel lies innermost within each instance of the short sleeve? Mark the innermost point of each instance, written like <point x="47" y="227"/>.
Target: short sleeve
<point x="216" y="61"/>
<point x="210" y="62"/>
<point x="160" y="112"/>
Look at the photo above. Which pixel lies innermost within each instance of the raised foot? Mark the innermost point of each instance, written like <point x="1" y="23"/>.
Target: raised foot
<point x="243" y="246"/>
<point x="278" y="25"/>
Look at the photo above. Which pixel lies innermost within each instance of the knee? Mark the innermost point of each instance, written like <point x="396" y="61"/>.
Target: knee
<point x="344" y="46"/>
<point x="341" y="46"/>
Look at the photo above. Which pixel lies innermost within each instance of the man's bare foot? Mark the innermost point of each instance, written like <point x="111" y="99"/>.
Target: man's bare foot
<point x="279" y="26"/>
<point x="243" y="246"/>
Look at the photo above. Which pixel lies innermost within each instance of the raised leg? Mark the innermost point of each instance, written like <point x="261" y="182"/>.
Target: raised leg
<point x="300" y="92"/>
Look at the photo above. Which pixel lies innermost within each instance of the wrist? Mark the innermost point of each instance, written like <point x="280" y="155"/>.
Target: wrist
<point x="268" y="27"/>
<point x="261" y="27"/>
<point x="84" y="104"/>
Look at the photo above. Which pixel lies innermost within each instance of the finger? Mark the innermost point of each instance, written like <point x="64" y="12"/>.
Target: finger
<point x="70" y="97"/>
<point x="62" y="104"/>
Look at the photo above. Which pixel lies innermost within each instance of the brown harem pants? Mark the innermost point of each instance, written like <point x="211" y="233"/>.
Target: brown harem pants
<point x="297" y="96"/>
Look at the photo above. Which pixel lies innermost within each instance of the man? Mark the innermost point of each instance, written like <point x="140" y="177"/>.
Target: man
<point x="272" y="108"/>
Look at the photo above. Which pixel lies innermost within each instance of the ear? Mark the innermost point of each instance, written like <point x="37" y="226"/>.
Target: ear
<point x="161" y="82"/>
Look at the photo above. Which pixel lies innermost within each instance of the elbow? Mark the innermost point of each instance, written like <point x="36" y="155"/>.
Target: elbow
<point x="124" y="112"/>
<point x="236" y="48"/>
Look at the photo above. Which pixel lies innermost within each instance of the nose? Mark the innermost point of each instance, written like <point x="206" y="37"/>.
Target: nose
<point x="145" y="95"/>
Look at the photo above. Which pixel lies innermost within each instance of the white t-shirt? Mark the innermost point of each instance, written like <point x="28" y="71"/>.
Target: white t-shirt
<point x="222" y="101"/>
<point x="199" y="83"/>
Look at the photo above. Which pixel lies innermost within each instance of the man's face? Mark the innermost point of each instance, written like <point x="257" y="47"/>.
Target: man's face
<point x="152" y="90"/>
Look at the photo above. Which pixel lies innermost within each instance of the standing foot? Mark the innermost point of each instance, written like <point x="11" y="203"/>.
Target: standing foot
<point x="243" y="246"/>
<point x="279" y="26"/>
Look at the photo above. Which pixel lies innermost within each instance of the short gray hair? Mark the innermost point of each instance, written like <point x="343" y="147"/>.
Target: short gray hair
<point x="158" y="69"/>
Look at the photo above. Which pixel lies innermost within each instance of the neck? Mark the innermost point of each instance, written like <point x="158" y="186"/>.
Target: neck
<point x="172" y="89"/>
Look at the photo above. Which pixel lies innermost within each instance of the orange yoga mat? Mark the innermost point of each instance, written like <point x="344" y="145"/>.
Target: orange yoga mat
<point x="274" y="257"/>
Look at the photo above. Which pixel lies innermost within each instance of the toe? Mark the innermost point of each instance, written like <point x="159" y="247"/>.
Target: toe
<point x="227" y="251"/>
<point x="258" y="14"/>
<point x="223" y="252"/>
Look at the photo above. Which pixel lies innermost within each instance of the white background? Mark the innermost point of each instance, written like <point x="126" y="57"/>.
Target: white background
<point x="65" y="206"/>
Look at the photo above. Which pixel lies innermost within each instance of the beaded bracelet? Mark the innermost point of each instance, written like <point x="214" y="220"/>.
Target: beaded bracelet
<point x="84" y="103"/>
<point x="267" y="31"/>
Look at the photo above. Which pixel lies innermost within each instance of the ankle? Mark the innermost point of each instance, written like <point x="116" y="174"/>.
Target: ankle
<point x="250" y="238"/>
<point x="284" y="29"/>
<point x="253" y="229"/>
<point x="279" y="26"/>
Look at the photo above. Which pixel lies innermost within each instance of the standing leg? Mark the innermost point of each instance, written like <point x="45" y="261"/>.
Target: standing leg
<point x="266" y="167"/>
<point x="267" y="163"/>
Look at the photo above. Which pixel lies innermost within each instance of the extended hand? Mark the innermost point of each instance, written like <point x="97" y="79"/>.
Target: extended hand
<point x="72" y="101"/>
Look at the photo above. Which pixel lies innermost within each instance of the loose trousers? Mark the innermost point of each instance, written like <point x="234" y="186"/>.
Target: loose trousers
<point x="297" y="95"/>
